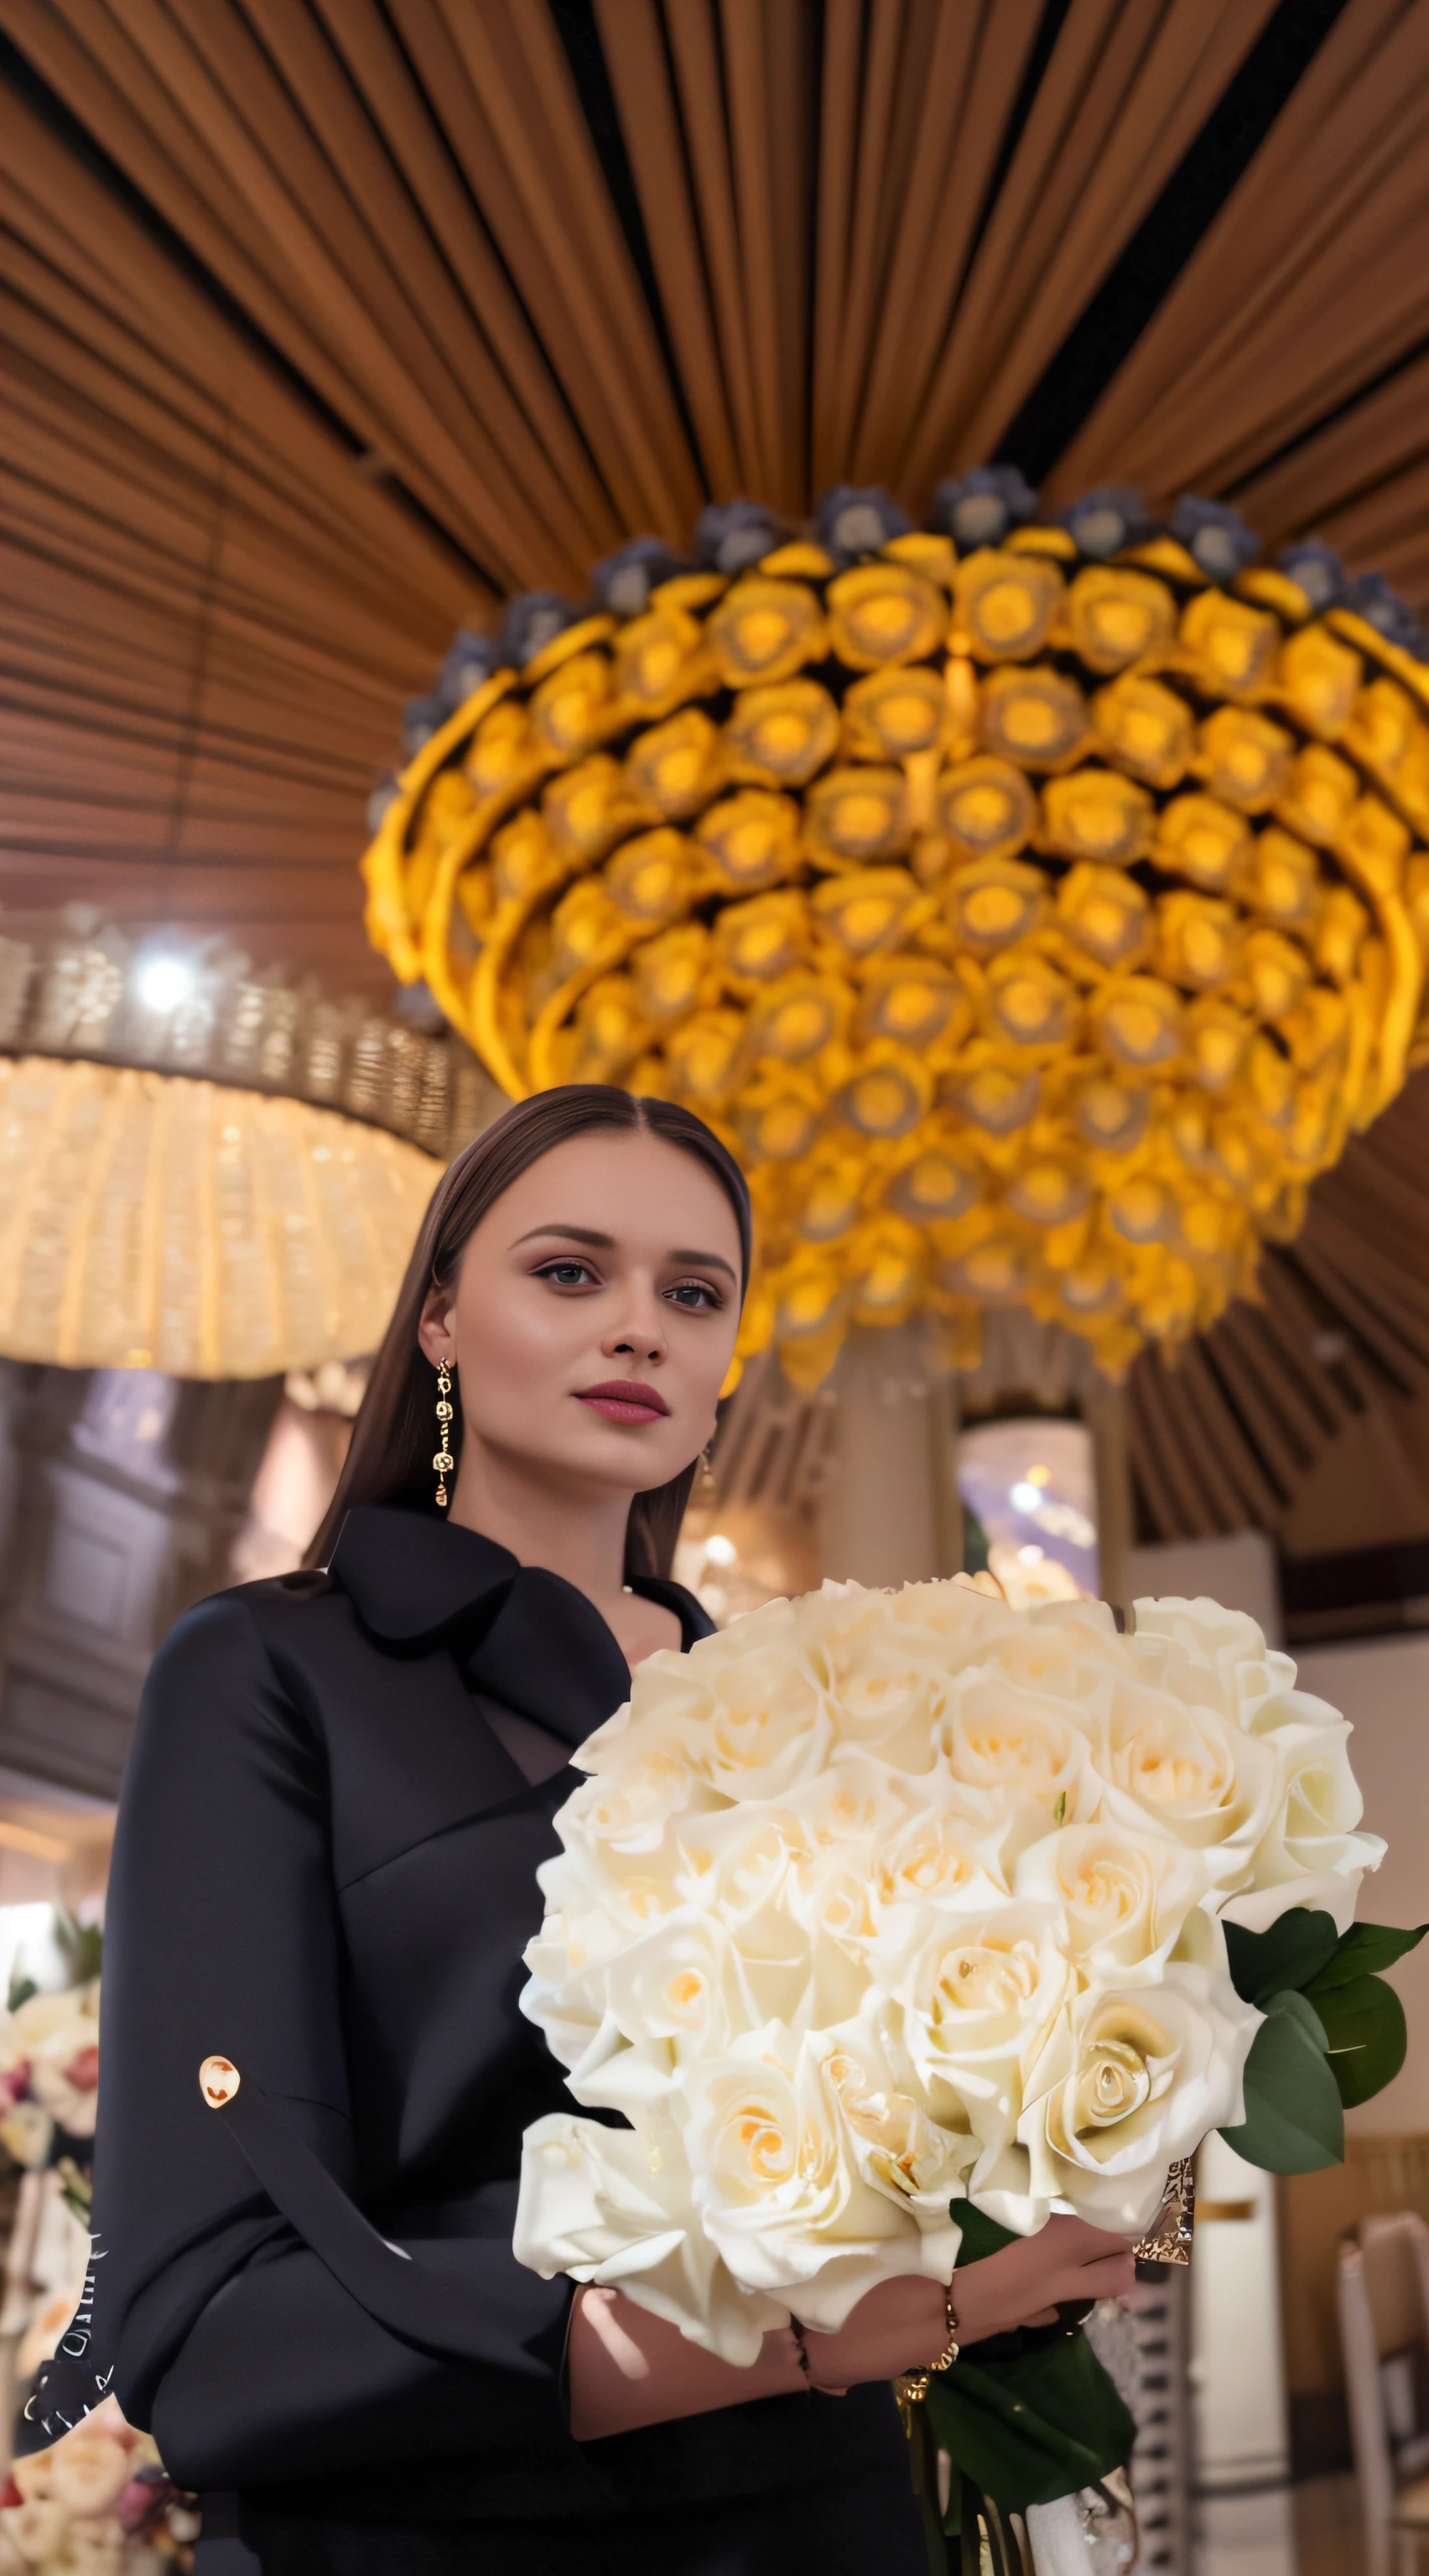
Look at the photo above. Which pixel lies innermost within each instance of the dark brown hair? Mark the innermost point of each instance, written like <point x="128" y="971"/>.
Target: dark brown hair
<point x="389" y="1460"/>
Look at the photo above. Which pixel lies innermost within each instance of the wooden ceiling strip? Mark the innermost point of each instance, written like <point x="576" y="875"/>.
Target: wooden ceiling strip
<point x="744" y="36"/>
<point x="1229" y="1469"/>
<point x="1197" y="1513"/>
<point x="416" y="153"/>
<point x="1088" y="210"/>
<point x="1369" y="275"/>
<point x="1197" y="347"/>
<point x="694" y="51"/>
<point x="431" y="43"/>
<point x="964" y="101"/>
<point x="1285" y="1457"/>
<point x="1160" y="1508"/>
<point x="1381" y="435"/>
<point x="833" y="212"/>
<point x="423" y="307"/>
<point x="248" y="406"/>
<point x="1388" y="534"/>
<point x="1383" y="1276"/>
<point x="104" y="78"/>
<point x="554" y="108"/>
<point x="381" y="431"/>
<point x="791" y="146"/>
<point x="1274" y="1361"/>
<point x="634" y="50"/>
<point x="1348" y="1386"/>
<point x="885" y="41"/>
<point x="410" y="395"/>
<point x="1399" y="1358"/>
<point x="515" y="62"/>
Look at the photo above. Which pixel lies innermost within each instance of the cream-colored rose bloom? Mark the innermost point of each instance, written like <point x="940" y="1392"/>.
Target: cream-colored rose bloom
<point x="1314" y="1833"/>
<point x="615" y="2207"/>
<point x="751" y="1719"/>
<point x="1191" y="1773"/>
<point x="947" y="1851"/>
<point x="639" y="1785"/>
<point x="36" y="2530"/>
<point x="777" y="2180"/>
<point x="1211" y="1657"/>
<point x="1129" y="2081"/>
<point x="997" y="1736"/>
<point x="1124" y="1895"/>
<point x="970" y="2002"/>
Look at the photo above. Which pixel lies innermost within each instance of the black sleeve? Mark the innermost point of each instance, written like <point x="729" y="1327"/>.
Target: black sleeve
<point x="233" y="2342"/>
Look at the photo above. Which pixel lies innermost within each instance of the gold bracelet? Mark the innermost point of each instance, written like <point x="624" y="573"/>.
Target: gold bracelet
<point x="911" y="2386"/>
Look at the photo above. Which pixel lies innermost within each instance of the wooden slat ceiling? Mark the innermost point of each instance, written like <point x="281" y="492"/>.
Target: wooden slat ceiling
<point x="328" y="322"/>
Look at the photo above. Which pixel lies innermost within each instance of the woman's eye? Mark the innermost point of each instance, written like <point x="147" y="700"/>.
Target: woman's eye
<point x="566" y="1274"/>
<point x="694" y="1292"/>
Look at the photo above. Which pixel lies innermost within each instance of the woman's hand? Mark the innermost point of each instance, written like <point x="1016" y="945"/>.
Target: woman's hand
<point x="901" y="2325"/>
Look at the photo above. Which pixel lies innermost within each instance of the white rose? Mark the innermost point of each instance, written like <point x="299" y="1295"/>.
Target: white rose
<point x="1211" y="1656"/>
<point x="947" y="1851"/>
<point x="750" y="1717"/>
<point x="1313" y="1852"/>
<point x="60" y="2034"/>
<point x="676" y="1994"/>
<point x="628" y="1805"/>
<point x="969" y="2009"/>
<point x="1189" y="1772"/>
<point x="615" y="2208"/>
<point x="956" y="1611"/>
<point x="883" y="1680"/>
<point x="1131" y="2080"/>
<point x="997" y="1736"/>
<point x="1126" y="1898"/>
<point x="778" y="2181"/>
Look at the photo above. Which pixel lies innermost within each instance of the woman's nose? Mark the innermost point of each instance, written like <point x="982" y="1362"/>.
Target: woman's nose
<point x="640" y="1332"/>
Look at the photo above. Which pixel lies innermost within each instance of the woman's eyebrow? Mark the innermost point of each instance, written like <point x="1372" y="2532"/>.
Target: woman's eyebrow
<point x="573" y="1234"/>
<point x="606" y="1243"/>
<point x="705" y="1261"/>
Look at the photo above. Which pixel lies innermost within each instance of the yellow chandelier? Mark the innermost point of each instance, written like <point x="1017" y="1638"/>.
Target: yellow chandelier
<point x="202" y="1171"/>
<point x="1034" y="909"/>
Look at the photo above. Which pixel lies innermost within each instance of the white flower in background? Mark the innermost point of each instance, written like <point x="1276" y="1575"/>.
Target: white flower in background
<point x="1131" y="2080"/>
<point x="879" y="1900"/>
<point x="60" y="2033"/>
<point x="27" y="2133"/>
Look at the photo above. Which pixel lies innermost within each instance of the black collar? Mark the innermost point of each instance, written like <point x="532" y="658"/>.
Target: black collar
<point x="521" y="1634"/>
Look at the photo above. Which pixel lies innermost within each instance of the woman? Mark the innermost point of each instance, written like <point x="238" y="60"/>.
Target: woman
<point x="324" y="1879"/>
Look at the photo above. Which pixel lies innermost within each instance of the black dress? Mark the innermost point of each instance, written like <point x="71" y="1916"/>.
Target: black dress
<point x="325" y="1872"/>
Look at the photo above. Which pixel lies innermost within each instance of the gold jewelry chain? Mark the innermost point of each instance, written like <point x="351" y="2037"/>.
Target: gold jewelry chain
<point x="911" y="2386"/>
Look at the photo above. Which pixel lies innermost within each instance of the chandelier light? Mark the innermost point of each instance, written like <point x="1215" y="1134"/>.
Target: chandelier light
<point x="204" y="1171"/>
<point x="1034" y="908"/>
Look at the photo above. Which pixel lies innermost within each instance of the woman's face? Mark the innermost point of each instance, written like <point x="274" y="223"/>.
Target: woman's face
<point x="594" y="1313"/>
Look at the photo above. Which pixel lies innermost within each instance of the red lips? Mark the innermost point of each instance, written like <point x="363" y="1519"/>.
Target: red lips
<point x="623" y="1399"/>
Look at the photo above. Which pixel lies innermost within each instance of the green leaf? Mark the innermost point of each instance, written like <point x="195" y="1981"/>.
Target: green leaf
<point x="1279" y="1961"/>
<point x="1032" y="2428"/>
<point x="1364" y="1950"/>
<point x="981" y="2235"/>
<point x="1294" y="2119"/>
<point x="1364" y="2025"/>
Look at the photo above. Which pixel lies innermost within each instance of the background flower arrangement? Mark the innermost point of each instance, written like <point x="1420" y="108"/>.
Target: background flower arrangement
<point x="49" y="2065"/>
<point x="97" y="2504"/>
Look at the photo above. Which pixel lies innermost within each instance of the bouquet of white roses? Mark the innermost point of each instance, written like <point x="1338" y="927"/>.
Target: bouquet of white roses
<point x="880" y="1903"/>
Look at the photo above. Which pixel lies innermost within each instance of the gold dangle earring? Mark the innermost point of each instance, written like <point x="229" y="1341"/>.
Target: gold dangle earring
<point x="444" y="1462"/>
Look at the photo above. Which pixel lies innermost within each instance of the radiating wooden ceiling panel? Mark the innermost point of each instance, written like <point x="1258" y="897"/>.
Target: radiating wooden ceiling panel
<point x="329" y="322"/>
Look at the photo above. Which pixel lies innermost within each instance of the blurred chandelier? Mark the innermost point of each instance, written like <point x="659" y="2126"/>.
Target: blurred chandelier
<point x="1034" y="908"/>
<point x="204" y="1171"/>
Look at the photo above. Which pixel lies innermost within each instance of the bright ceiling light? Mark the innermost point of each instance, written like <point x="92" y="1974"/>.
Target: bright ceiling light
<point x="720" y="1550"/>
<point x="163" y="983"/>
<point x="1025" y="1497"/>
